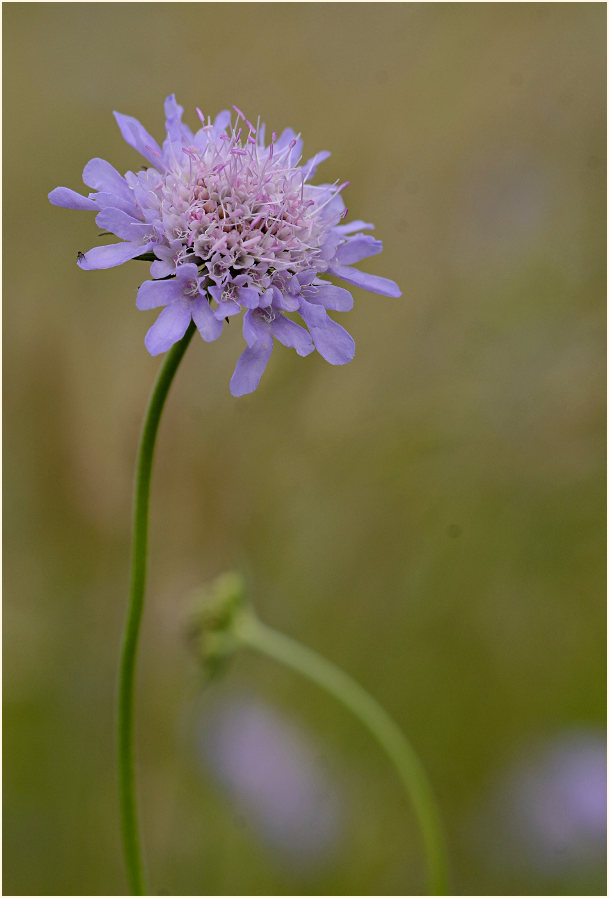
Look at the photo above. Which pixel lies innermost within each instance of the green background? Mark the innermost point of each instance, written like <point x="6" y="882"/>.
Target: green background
<point x="430" y="517"/>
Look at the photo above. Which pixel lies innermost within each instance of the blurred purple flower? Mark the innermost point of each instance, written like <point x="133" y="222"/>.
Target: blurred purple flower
<point x="550" y="806"/>
<point x="274" y="778"/>
<point x="234" y="226"/>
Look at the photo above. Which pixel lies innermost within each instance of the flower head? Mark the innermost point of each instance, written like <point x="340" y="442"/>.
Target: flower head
<point x="231" y="225"/>
<point x="273" y="776"/>
<point x="546" y="811"/>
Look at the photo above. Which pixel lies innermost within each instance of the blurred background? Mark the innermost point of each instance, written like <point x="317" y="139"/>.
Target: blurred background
<point x="430" y="517"/>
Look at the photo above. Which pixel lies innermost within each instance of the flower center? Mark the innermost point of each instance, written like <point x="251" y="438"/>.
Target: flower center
<point x="242" y="208"/>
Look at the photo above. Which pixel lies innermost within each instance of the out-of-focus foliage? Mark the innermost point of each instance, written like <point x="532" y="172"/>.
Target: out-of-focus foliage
<point x="429" y="516"/>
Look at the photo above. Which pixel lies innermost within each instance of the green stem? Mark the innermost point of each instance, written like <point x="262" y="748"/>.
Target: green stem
<point x="126" y="762"/>
<point x="253" y="633"/>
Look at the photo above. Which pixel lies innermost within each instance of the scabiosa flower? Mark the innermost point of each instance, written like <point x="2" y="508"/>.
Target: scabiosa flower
<point x="274" y="779"/>
<point x="231" y="225"/>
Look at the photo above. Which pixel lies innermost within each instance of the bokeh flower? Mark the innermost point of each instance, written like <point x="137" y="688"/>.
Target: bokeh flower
<point x="546" y="811"/>
<point x="274" y="776"/>
<point x="232" y="225"/>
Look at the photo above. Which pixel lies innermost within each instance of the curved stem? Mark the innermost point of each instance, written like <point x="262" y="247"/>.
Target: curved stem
<point x="256" y="635"/>
<point x="126" y="763"/>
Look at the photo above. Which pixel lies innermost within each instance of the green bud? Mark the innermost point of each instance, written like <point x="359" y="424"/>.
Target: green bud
<point x="216" y="609"/>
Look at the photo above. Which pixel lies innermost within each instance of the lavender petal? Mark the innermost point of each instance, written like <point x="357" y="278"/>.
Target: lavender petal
<point x="250" y="368"/>
<point x="69" y="199"/>
<point x="371" y="282"/>
<point x="137" y="137"/>
<point x="169" y="327"/>
<point x="292" y="335"/>
<point x="111" y="255"/>
<point x="153" y="294"/>
<point x="102" y="176"/>
<point x="357" y="248"/>
<point x="337" y="298"/>
<point x="207" y="324"/>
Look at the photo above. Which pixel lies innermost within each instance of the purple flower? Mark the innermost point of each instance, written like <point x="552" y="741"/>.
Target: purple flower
<point x="231" y="225"/>
<point x="273" y="776"/>
<point x="547" y="810"/>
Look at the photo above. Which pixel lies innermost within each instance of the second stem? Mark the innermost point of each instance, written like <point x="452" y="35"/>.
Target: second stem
<point x="253" y="633"/>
